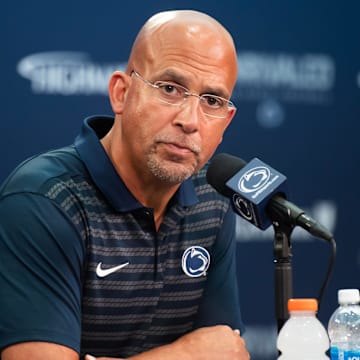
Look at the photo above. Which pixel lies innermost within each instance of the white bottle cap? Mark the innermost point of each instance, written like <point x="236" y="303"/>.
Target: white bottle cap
<point x="348" y="296"/>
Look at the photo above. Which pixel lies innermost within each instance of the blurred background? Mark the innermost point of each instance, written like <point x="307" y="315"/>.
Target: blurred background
<point x="297" y="96"/>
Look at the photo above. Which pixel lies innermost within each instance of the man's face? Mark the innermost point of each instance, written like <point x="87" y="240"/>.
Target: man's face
<point x="174" y="141"/>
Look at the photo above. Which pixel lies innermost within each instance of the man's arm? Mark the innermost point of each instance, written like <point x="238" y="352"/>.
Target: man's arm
<point x="210" y="343"/>
<point x="38" y="350"/>
<point x="40" y="278"/>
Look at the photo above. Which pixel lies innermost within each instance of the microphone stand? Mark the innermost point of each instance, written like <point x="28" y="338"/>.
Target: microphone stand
<point x="283" y="270"/>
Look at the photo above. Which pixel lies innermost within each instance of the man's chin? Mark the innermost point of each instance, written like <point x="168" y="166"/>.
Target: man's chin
<point x="171" y="172"/>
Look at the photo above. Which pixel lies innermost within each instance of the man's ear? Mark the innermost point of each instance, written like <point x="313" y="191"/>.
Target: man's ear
<point x="118" y="86"/>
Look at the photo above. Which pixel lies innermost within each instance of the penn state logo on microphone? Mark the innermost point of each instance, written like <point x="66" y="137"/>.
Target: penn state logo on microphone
<point x="195" y="261"/>
<point x="254" y="179"/>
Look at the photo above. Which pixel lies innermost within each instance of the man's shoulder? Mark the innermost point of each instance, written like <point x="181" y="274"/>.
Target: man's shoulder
<point x="35" y="173"/>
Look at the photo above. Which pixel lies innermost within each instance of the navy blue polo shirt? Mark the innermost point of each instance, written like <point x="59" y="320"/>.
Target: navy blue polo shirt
<point x="82" y="264"/>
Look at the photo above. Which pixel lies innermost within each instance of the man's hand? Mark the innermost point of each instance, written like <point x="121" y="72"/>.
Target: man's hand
<point x="213" y="343"/>
<point x="209" y="343"/>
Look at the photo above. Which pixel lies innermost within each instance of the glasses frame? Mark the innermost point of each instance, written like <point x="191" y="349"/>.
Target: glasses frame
<point x="187" y="93"/>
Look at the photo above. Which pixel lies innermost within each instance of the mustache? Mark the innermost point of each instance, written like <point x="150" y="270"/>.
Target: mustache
<point x="180" y="141"/>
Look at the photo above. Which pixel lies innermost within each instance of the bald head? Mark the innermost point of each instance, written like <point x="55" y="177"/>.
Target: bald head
<point x="184" y="17"/>
<point x="183" y="30"/>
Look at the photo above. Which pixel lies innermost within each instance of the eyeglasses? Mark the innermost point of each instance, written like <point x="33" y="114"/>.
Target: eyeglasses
<point x="174" y="94"/>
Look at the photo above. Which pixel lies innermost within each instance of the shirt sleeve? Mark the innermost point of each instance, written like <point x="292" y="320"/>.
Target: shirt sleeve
<point x="40" y="272"/>
<point x="221" y="303"/>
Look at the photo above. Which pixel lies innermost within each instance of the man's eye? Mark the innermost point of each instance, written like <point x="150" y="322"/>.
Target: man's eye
<point x="213" y="101"/>
<point x="168" y="88"/>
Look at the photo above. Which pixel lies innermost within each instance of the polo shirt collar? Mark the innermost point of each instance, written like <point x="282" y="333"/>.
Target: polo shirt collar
<point x="103" y="173"/>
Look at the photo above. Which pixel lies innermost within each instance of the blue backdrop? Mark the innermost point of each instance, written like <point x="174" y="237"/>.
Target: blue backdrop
<point x="297" y="95"/>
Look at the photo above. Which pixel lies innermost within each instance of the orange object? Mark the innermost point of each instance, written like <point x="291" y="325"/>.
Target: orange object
<point x="302" y="305"/>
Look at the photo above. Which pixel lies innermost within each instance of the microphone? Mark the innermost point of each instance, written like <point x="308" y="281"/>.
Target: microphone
<point x="258" y="194"/>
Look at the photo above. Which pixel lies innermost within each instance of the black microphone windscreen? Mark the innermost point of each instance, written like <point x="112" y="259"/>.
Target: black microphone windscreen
<point x="221" y="169"/>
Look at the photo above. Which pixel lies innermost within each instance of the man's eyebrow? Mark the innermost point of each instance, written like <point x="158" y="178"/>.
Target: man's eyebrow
<point x="173" y="75"/>
<point x="216" y="91"/>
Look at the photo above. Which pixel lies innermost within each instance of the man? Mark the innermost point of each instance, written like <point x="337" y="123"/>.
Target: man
<point x="117" y="246"/>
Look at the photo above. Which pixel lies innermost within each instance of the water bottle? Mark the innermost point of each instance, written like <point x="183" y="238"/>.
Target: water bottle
<point x="303" y="336"/>
<point x="344" y="327"/>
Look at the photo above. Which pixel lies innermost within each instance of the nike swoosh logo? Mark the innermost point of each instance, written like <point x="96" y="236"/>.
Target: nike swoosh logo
<point x="100" y="272"/>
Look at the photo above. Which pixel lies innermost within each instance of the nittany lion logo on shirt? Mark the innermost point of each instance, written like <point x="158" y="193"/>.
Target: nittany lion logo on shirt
<point x="195" y="261"/>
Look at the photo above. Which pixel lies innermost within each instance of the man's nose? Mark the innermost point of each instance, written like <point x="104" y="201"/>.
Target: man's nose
<point x="189" y="114"/>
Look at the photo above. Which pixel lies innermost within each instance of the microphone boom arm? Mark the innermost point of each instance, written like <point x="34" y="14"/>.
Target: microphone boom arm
<point x="283" y="270"/>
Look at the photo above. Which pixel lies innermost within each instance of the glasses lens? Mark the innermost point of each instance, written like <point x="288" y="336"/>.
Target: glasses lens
<point x="170" y="93"/>
<point x="215" y="106"/>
